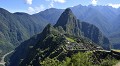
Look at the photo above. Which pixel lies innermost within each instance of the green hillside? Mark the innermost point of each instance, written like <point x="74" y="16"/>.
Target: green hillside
<point x="17" y="27"/>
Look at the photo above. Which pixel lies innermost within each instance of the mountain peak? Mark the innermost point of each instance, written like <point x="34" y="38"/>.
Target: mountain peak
<point x="67" y="17"/>
<point x="68" y="11"/>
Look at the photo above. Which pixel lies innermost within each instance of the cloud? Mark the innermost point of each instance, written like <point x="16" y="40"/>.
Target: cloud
<point x="32" y="10"/>
<point x="51" y="5"/>
<point x="114" y="5"/>
<point x="28" y="2"/>
<point x="60" y="1"/>
<point x="94" y="2"/>
<point x="52" y="2"/>
<point x="39" y="8"/>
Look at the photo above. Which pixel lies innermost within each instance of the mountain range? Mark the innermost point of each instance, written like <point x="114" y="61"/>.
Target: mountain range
<point x="106" y="18"/>
<point x="57" y="41"/>
<point x="18" y="27"/>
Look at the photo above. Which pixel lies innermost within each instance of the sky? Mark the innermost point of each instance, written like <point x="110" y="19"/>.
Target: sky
<point x="35" y="6"/>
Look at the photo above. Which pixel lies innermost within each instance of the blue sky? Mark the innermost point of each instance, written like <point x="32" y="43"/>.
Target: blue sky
<point x="35" y="6"/>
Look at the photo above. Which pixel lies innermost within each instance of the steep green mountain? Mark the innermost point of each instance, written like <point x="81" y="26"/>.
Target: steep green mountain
<point x="92" y="14"/>
<point x="66" y="37"/>
<point x="17" y="27"/>
<point x="73" y="26"/>
<point x="105" y="18"/>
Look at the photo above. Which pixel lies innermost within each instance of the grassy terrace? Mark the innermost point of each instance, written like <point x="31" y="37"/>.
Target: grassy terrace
<point x="70" y="39"/>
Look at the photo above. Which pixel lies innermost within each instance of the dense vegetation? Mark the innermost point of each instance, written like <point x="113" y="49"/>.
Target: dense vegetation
<point x="80" y="59"/>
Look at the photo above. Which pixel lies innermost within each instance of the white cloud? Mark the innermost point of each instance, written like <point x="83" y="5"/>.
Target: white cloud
<point x="94" y="2"/>
<point x="52" y="2"/>
<point x="114" y="5"/>
<point x="32" y="10"/>
<point x="60" y="1"/>
<point x="29" y="2"/>
<point x="39" y="8"/>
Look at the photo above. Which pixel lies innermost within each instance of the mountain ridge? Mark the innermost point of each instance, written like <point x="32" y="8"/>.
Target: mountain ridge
<point x="52" y="42"/>
<point x="15" y="28"/>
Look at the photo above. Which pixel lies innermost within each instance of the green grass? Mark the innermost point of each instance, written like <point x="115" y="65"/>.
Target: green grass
<point x="70" y="39"/>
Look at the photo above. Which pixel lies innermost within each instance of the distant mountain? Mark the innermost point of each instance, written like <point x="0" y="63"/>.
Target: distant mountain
<point x="116" y="24"/>
<point x="17" y="27"/>
<point x="115" y="36"/>
<point x="92" y="15"/>
<point x="59" y="41"/>
<point x="51" y="14"/>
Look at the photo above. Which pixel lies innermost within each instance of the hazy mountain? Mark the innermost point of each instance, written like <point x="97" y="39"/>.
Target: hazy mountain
<point x="115" y="36"/>
<point x="116" y="24"/>
<point x="51" y="14"/>
<point x="17" y="27"/>
<point x="56" y="41"/>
